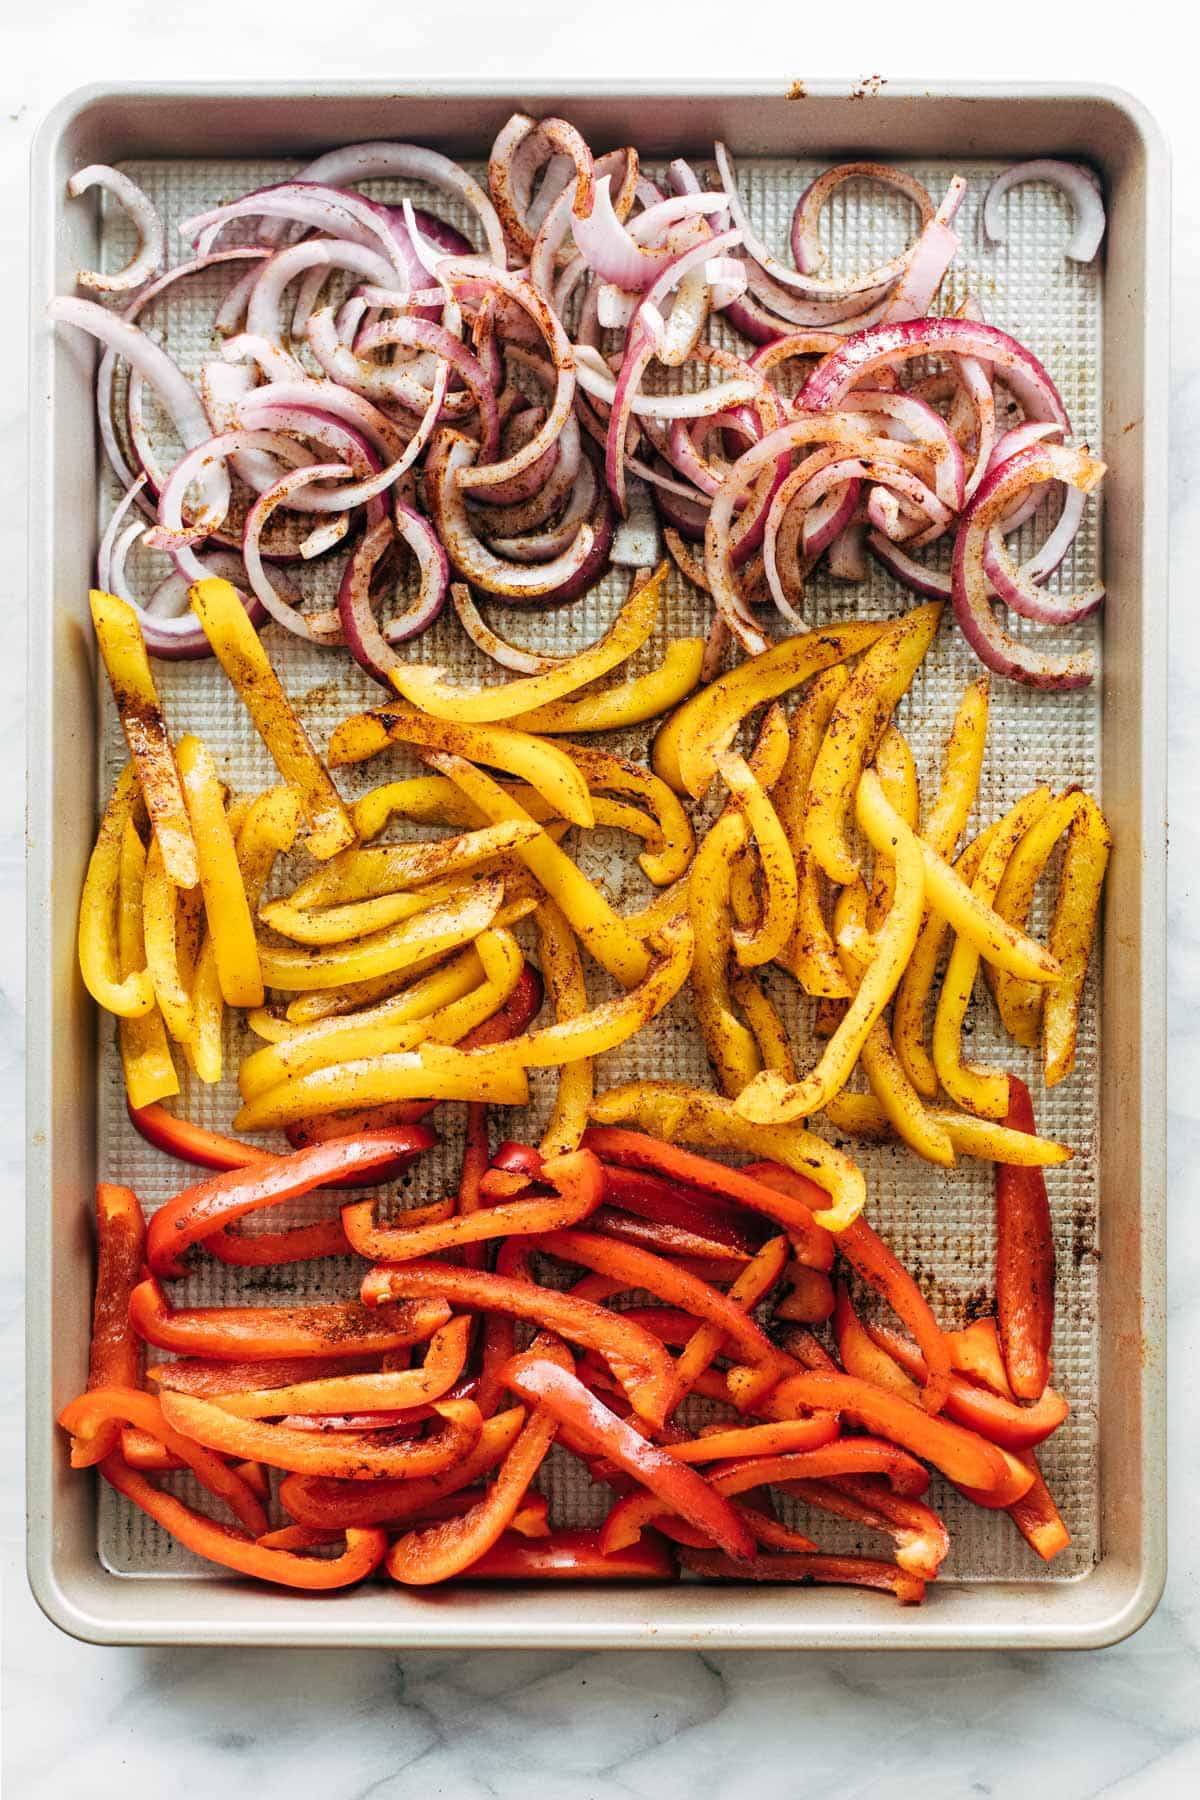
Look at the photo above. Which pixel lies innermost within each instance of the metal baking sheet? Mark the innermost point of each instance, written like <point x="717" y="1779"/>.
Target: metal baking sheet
<point x="939" y="1222"/>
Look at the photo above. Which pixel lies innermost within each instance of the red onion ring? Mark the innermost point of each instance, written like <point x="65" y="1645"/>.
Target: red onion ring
<point x="152" y="237"/>
<point x="847" y="555"/>
<point x="450" y="455"/>
<point x="370" y="647"/>
<point x="104" y="554"/>
<point x="1082" y="189"/>
<point x="323" y="208"/>
<point x="808" y="252"/>
<point x="611" y="249"/>
<point x="509" y="656"/>
<point x="409" y="162"/>
<point x="264" y="312"/>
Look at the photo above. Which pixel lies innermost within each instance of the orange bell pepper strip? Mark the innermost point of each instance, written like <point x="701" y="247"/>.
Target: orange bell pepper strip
<point x="197" y="1375"/>
<point x="809" y="1571"/>
<point x="363" y="1553"/>
<point x="115" y="1357"/>
<point x="1001" y="1421"/>
<point x="975" y="1351"/>
<point x="721" y="1443"/>
<point x="571" y="1556"/>
<point x="476" y="1158"/>
<point x="864" y="1358"/>
<point x="755" y="1281"/>
<point x="214" y="1204"/>
<point x="89" y="1417"/>
<point x="809" y="1299"/>
<point x="144" y="1452"/>
<point x="234" y="1333"/>
<point x="536" y="1379"/>
<point x="883" y="1272"/>
<point x="577" y="1177"/>
<point x="386" y="1391"/>
<point x="960" y="1454"/>
<point x="642" y="1269"/>
<point x="919" y="1536"/>
<point x="440" y="1551"/>
<point x="324" y="1502"/>
<point x="634" y="1149"/>
<point x="1036" y="1516"/>
<point x="639" y="1362"/>
<point x="348" y="1455"/>
<point x="1024" y="1261"/>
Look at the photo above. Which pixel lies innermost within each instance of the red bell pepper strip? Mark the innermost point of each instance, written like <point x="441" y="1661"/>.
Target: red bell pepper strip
<point x="666" y="1240"/>
<point x="476" y="1156"/>
<point x="337" y="1454"/>
<point x="919" y="1535"/>
<point x="959" y="1453"/>
<point x="564" y="1396"/>
<point x="579" y="1188"/>
<point x="1036" y="1516"/>
<point x="1002" y="1421"/>
<point x="235" y="1333"/>
<point x="115" y="1357"/>
<point x="265" y="1249"/>
<point x="196" y="1375"/>
<point x="213" y="1150"/>
<point x="381" y="1394"/>
<point x="807" y="1350"/>
<point x="875" y="1264"/>
<point x="633" y="1149"/>
<point x="322" y="1501"/>
<point x="571" y="1556"/>
<point x="639" y="1361"/>
<point x="863" y="1357"/>
<point x="756" y="1280"/>
<point x="438" y="1552"/>
<point x="641" y="1269"/>
<point x="809" y="1299"/>
<point x="89" y="1417"/>
<point x="214" y="1204"/>
<point x="364" y="1549"/>
<point x="1024" y="1261"/>
<point x="631" y="1514"/>
<point x="975" y="1352"/>
<point x="777" y="1438"/>
<point x="810" y="1571"/>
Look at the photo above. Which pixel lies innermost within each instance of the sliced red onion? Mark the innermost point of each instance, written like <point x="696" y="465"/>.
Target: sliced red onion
<point x="847" y="559"/>
<point x="885" y="345"/>
<point x="409" y="162"/>
<point x="927" y="427"/>
<point x="598" y="380"/>
<point x="542" y="546"/>
<point x="231" y="314"/>
<point x="325" y="398"/>
<point x="931" y="256"/>
<point x="610" y="247"/>
<point x="152" y="237"/>
<point x="104" y="554"/>
<point x="1082" y="189"/>
<point x="511" y="184"/>
<point x="930" y="584"/>
<point x="594" y="564"/>
<point x="370" y="647"/>
<point x="509" y="656"/>
<point x="847" y="314"/>
<point x="620" y="166"/>
<point x="325" y="537"/>
<point x="825" y="522"/>
<point x="276" y="363"/>
<point x="450" y="455"/>
<point x="174" y="391"/>
<point x="322" y="208"/>
<point x="559" y="172"/>
<point x="171" y="534"/>
<point x="172" y="631"/>
<point x="264" y="314"/>
<point x="976" y="533"/>
<point x="884" y="513"/>
<point x="808" y="252"/>
<point x="509" y="518"/>
<point x="422" y="334"/>
<point x="285" y="614"/>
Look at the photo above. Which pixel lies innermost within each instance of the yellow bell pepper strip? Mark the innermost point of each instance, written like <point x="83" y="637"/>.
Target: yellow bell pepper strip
<point x="426" y="799"/>
<point x="388" y="868"/>
<point x="949" y="894"/>
<point x="882" y="1067"/>
<point x="811" y="956"/>
<point x="976" y="1089"/>
<point x="240" y="652"/>
<point x="861" y="1115"/>
<point x="960" y="776"/>
<point x="778" y="921"/>
<point x="1071" y="932"/>
<point x="562" y="971"/>
<point x="681" y="1114"/>
<point x="437" y="1073"/>
<point x="440" y="928"/>
<point x="160" y="931"/>
<point x="145" y="1049"/>
<point x="855" y="728"/>
<point x="626" y="703"/>
<point x="687" y="745"/>
<point x="357" y="918"/>
<point x="130" y="997"/>
<point x="422" y="996"/>
<point x="230" y="925"/>
<point x="769" y="1100"/>
<point x="604" y="1026"/>
<point x="1020" y="1002"/>
<point x="542" y="765"/>
<point x="770" y="1033"/>
<point x="601" y="930"/>
<point x="423" y="686"/>
<point x="916" y="984"/>
<point x="600" y="769"/>
<point x="124" y="651"/>
<point x="897" y="771"/>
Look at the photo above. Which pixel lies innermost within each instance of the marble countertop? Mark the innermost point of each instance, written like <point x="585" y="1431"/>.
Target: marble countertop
<point x="99" y="1723"/>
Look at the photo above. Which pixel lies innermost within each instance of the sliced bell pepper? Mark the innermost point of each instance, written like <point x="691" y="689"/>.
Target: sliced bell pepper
<point x="1036" y="1516"/>
<point x="919" y="1535"/>
<point x="865" y="1358"/>
<point x="363" y="1553"/>
<point x="349" y="1456"/>
<point x="230" y="925"/>
<point x="810" y="956"/>
<point x="639" y="1362"/>
<point x="861" y="1115"/>
<point x="571" y="1556"/>
<point x="382" y="1391"/>
<point x="437" y="1072"/>
<point x="1024" y="1261"/>
<point x="674" y="1241"/>
<point x="897" y="771"/>
<point x="241" y="654"/>
<point x="214" y="1204"/>
<point x="961" y="770"/>
<point x="265" y="1249"/>
<point x="720" y="1443"/>
<point x="197" y="1375"/>
<point x="165" y="954"/>
<point x="115" y="1356"/>
<point x="810" y="1571"/>
<point x="145" y="1049"/>
<point x="1071" y="932"/>
<point x="1019" y="1003"/>
<point x="916" y="984"/>
<point x="579" y="1186"/>
<point x="131" y="996"/>
<point x="564" y="1396"/>
<point x="753" y="1282"/>
<point x="324" y="1502"/>
<point x="1001" y="1421"/>
<point x="732" y="1047"/>
<point x="212" y="1150"/>
<point x="440" y="928"/>
<point x="809" y="1299"/>
<point x="674" y="845"/>
<point x="476" y="1158"/>
<point x="390" y="868"/>
<point x="235" y="1333"/>
<point x="975" y="1352"/>
<point x="626" y="703"/>
<point x="562" y="969"/>
<point x="124" y="652"/>
<point x="771" y="935"/>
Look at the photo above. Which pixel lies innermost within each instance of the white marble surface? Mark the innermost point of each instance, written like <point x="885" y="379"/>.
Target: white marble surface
<point x="96" y="1724"/>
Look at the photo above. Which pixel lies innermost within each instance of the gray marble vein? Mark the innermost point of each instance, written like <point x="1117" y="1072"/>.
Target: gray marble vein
<point x="260" y="1725"/>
